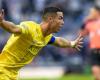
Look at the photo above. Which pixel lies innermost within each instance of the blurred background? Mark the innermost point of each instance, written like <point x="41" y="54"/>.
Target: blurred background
<point x="52" y="63"/>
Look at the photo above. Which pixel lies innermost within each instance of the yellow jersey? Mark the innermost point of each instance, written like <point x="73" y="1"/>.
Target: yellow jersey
<point x="22" y="48"/>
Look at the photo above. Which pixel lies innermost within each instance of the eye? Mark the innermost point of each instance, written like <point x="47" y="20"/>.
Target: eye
<point x="60" y="17"/>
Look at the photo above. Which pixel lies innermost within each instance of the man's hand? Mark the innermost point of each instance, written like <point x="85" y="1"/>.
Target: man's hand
<point x="77" y="44"/>
<point x="7" y="25"/>
<point x="1" y="15"/>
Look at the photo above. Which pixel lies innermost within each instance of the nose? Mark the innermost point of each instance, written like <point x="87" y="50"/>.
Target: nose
<point x="62" y="22"/>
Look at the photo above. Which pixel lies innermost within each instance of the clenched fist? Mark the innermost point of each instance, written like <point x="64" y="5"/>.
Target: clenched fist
<point x="1" y="15"/>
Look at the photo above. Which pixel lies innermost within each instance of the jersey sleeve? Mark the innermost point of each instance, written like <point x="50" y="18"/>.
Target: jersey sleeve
<point x="27" y="27"/>
<point x="24" y="28"/>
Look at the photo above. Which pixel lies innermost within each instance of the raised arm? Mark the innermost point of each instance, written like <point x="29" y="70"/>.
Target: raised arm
<point x="61" y="42"/>
<point x="9" y="26"/>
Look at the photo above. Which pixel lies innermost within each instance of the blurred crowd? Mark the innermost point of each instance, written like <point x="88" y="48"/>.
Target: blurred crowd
<point x="74" y="13"/>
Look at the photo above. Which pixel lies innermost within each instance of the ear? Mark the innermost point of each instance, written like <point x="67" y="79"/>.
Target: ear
<point x="50" y="19"/>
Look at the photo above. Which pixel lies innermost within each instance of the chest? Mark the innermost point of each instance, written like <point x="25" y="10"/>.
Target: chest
<point x="94" y="27"/>
<point x="38" y="40"/>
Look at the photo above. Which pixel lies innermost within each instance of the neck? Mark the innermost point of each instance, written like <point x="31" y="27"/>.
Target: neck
<point x="45" y="28"/>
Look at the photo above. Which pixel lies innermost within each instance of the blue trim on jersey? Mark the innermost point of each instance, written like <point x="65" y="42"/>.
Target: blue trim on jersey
<point x="52" y="40"/>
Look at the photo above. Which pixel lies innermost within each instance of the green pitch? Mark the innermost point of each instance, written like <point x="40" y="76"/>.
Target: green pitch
<point x="69" y="77"/>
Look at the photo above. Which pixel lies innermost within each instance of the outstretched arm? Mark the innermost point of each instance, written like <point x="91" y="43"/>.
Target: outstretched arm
<point x="9" y="26"/>
<point x="61" y="42"/>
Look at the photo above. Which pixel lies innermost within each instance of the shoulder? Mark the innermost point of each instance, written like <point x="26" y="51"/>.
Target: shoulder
<point x="28" y="26"/>
<point x="85" y="23"/>
<point x="29" y="22"/>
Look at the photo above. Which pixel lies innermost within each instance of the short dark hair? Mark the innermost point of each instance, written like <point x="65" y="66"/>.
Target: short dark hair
<point x="50" y="10"/>
<point x="97" y="7"/>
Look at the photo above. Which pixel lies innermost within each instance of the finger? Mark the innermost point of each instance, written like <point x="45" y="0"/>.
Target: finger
<point x="80" y="40"/>
<point x="2" y="11"/>
<point x="79" y="43"/>
<point x="79" y="37"/>
<point x="77" y="48"/>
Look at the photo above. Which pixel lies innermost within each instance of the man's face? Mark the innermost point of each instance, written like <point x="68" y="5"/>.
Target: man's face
<point x="95" y="14"/>
<point x="57" y="22"/>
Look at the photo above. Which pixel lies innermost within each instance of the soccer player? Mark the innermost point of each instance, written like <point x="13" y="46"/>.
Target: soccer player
<point x="28" y="38"/>
<point x="91" y="27"/>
